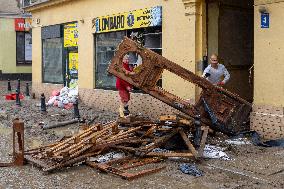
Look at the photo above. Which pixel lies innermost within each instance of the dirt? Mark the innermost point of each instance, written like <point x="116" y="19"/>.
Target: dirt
<point x="250" y="166"/>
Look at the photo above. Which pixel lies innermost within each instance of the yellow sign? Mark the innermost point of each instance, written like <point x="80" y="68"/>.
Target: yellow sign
<point x="71" y="35"/>
<point x="129" y="20"/>
<point x="73" y="69"/>
<point x="73" y="61"/>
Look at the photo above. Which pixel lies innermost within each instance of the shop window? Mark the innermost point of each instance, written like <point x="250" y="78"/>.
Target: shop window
<point x="52" y="54"/>
<point x="106" y="44"/>
<point x="24" y="48"/>
<point x="52" y="60"/>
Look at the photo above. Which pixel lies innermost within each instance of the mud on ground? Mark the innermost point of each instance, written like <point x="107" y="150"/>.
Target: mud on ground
<point x="250" y="167"/>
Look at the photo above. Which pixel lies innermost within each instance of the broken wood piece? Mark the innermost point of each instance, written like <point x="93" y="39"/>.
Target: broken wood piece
<point x="170" y="154"/>
<point x="159" y="141"/>
<point x="60" y="124"/>
<point x="109" y="168"/>
<point x="82" y="134"/>
<point x="203" y="140"/>
<point x="150" y="131"/>
<point x="188" y="143"/>
<point x="93" y="135"/>
<point x="70" y="162"/>
<point x="18" y="145"/>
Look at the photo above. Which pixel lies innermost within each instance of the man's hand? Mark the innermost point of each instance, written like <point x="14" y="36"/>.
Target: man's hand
<point x="128" y="88"/>
<point x="222" y="83"/>
<point x="207" y="75"/>
<point x="129" y="73"/>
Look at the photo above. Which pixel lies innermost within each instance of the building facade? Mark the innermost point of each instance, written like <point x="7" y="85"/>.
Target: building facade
<point x="73" y="42"/>
<point x="16" y="42"/>
<point x="267" y="116"/>
<point x="95" y="44"/>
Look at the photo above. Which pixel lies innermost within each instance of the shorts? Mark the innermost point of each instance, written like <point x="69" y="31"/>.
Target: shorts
<point x="124" y="95"/>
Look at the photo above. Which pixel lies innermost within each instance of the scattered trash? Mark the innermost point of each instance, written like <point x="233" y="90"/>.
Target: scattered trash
<point x="214" y="152"/>
<point x="256" y="139"/>
<point x="12" y="96"/>
<point x="160" y="150"/>
<point x="190" y="169"/>
<point x="238" y="141"/>
<point x="107" y="157"/>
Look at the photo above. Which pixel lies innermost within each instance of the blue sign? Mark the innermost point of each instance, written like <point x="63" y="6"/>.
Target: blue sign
<point x="264" y="20"/>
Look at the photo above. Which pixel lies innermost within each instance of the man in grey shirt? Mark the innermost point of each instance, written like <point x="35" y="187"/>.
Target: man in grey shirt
<point x="216" y="73"/>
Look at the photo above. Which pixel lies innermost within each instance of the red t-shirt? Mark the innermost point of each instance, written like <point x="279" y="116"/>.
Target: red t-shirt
<point x="120" y="83"/>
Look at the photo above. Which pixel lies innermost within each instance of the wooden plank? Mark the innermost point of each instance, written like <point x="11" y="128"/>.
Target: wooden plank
<point x="188" y="143"/>
<point x="202" y="143"/>
<point x="169" y="154"/>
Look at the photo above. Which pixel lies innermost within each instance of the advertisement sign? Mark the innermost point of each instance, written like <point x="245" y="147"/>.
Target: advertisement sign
<point x="129" y="20"/>
<point x="71" y="35"/>
<point x="73" y="69"/>
<point x="22" y="24"/>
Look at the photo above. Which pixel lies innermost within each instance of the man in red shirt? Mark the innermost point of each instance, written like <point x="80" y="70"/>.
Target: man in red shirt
<point x="124" y="88"/>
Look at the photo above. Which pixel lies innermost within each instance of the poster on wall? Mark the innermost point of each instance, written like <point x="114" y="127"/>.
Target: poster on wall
<point x="28" y="47"/>
<point x="71" y="35"/>
<point x="73" y="69"/>
<point x="129" y="20"/>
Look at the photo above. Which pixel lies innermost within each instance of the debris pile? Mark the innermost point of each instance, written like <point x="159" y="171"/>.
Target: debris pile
<point x="138" y="138"/>
<point x="63" y="98"/>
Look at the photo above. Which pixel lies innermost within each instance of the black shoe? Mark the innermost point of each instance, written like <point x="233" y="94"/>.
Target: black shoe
<point x="126" y="111"/>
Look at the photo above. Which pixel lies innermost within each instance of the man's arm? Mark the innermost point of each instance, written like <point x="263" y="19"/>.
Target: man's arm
<point x="226" y="75"/>
<point x="206" y="72"/>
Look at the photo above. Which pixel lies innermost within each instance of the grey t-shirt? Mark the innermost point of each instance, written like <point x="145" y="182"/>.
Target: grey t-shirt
<point x="216" y="74"/>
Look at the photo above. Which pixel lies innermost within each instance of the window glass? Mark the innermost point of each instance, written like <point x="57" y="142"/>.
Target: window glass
<point x="28" y="47"/>
<point x="24" y="47"/>
<point x="52" y="60"/>
<point x="106" y="44"/>
<point x="20" y="47"/>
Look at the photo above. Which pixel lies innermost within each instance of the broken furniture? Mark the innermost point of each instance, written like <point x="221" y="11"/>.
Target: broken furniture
<point x="217" y="107"/>
<point x="136" y="137"/>
<point x="18" y="145"/>
<point x="120" y="166"/>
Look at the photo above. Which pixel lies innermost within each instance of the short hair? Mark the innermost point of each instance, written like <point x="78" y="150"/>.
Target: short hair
<point x="214" y="54"/>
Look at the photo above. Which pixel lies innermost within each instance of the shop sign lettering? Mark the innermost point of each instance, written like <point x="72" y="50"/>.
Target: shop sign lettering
<point x="129" y="20"/>
<point x="22" y="24"/>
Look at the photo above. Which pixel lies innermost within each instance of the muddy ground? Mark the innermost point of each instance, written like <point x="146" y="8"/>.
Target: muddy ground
<point x="250" y="167"/>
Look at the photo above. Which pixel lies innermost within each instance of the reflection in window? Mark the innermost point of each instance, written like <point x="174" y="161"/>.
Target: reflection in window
<point x="106" y="44"/>
<point x="52" y="60"/>
<point x="24" y="48"/>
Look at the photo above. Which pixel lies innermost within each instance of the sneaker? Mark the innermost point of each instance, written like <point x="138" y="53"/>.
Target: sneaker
<point x="126" y="111"/>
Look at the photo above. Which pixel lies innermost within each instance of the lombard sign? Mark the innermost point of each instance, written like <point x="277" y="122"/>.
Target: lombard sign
<point x="22" y="24"/>
<point x="129" y="20"/>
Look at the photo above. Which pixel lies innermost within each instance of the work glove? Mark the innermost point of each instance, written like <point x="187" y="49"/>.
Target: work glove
<point x="207" y="75"/>
<point x="221" y="83"/>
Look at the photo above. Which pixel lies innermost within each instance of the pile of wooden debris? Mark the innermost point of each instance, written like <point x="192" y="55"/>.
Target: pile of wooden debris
<point x="136" y="137"/>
